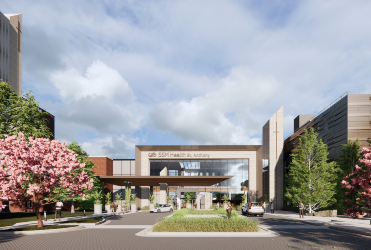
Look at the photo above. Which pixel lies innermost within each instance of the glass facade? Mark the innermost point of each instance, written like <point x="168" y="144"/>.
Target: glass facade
<point x="238" y="168"/>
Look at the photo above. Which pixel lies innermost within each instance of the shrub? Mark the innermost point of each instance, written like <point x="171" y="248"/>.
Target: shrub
<point x="179" y="224"/>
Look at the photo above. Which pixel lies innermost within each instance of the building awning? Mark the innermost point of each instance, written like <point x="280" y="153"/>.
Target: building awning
<point x="169" y="180"/>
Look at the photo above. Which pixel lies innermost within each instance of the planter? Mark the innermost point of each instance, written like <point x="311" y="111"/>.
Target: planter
<point x="119" y="209"/>
<point x="189" y="205"/>
<point x="151" y="207"/>
<point x="107" y="208"/>
<point x="133" y="207"/>
<point x="225" y="206"/>
<point x="97" y="209"/>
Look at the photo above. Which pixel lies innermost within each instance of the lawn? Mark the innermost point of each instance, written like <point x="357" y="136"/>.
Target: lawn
<point x="185" y="211"/>
<point x="87" y="220"/>
<point x="9" y="219"/>
<point x="179" y="222"/>
<point x="236" y="224"/>
<point x="32" y="228"/>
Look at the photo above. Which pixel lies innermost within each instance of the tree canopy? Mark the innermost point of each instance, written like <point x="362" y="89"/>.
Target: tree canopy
<point x="32" y="170"/>
<point x="348" y="160"/>
<point x="358" y="186"/>
<point x="21" y="114"/>
<point x="311" y="179"/>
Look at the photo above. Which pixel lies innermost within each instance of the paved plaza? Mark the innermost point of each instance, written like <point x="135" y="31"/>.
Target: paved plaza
<point x="117" y="234"/>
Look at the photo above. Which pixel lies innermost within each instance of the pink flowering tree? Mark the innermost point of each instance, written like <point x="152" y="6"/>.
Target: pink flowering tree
<point x="358" y="187"/>
<point x="32" y="169"/>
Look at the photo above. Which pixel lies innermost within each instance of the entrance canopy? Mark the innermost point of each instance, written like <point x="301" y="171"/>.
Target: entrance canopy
<point x="170" y="180"/>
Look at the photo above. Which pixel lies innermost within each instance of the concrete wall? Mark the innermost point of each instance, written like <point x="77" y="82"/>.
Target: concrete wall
<point x="15" y="52"/>
<point x="358" y="118"/>
<point x="273" y="149"/>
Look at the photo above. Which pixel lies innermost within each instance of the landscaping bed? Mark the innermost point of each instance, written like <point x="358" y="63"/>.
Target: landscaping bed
<point x="186" y="220"/>
<point x="9" y="219"/>
<point x="33" y="228"/>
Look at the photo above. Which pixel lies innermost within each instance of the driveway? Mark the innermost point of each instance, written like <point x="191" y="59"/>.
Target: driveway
<point x="309" y="238"/>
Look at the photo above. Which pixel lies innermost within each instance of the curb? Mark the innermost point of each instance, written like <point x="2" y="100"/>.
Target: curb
<point x="50" y="231"/>
<point x="263" y="232"/>
<point x="315" y="223"/>
<point x="350" y="230"/>
<point x="100" y="222"/>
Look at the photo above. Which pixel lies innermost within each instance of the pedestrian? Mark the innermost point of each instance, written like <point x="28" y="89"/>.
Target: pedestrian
<point x="112" y="207"/>
<point x="301" y="210"/>
<point x="217" y="205"/>
<point x="272" y="208"/>
<point x="229" y="210"/>
<point x="265" y="207"/>
<point x="123" y="207"/>
<point x="58" y="209"/>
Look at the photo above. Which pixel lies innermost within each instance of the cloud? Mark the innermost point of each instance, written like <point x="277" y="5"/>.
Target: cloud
<point x="116" y="147"/>
<point x="99" y="103"/>
<point x="219" y="117"/>
<point x="200" y="71"/>
<point x="99" y="80"/>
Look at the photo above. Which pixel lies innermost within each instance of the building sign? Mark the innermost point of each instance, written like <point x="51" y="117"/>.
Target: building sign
<point x="177" y="155"/>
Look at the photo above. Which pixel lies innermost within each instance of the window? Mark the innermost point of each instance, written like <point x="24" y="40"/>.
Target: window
<point x="19" y="36"/>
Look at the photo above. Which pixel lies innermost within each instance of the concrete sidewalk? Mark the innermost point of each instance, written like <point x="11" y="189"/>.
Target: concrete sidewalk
<point x="346" y="224"/>
<point x="51" y="221"/>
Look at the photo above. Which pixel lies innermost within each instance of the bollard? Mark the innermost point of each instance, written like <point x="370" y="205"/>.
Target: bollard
<point x="84" y="213"/>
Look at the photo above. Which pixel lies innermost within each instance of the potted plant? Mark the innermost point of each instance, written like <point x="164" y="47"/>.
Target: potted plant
<point x="151" y="206"/>
<point x="134" y="205"/>
<point x="266" y="199"/>
<point x="187" y="198"/>
<point x="119" y="204"/>
<point x="107" y="207"/>
<point x="169" y="198"/>
<point x="225" y="202"/>
<point x="97" y="202"/>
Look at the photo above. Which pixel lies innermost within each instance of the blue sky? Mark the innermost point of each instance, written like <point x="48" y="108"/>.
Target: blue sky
<point x="120" y="73"/>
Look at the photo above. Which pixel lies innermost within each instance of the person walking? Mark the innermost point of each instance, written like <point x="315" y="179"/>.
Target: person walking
<point x="229" y="210"/>
<point x="58" y="209"/>
<point x="272" y="208"/>
<point x="123" y="207"/>
<point x="265" y="207"/>
<point x="301" y="210"/>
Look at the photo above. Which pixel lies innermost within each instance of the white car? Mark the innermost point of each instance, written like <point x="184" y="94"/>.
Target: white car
<point x="162" y="208"/>
<point x="255" y="208"/>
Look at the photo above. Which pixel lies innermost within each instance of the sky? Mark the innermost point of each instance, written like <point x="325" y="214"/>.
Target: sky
<point x="122" y="73"/>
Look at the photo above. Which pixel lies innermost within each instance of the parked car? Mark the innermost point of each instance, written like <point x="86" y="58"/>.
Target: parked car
<point x="255" y="208"/>
<point x="161" y="208"/>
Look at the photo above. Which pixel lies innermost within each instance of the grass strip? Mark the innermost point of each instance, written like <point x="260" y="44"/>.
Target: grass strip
<point x="176" y="224"/>
<point x="220" y="211"/>
<point x="9" y="219"/>
<point x="33" y="228"/>
<point x="87" y="220"/>
<point x="185" y="211"/>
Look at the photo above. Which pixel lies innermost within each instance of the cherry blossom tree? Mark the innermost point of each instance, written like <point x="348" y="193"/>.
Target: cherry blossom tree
<point x="358" y="186"/>
<point x="31" y="169"/>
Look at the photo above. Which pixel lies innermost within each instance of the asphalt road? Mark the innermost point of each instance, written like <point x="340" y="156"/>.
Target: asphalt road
<point x="309" y="238"/>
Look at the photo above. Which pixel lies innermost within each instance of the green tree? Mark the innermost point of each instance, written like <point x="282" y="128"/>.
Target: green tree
<point x="311" y="179"/>
<point x="88" y="203"/>
<point x="348" y="159"/>
<point x="21" y="114"/>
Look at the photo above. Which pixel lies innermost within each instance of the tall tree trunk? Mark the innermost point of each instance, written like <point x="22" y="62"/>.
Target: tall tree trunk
<point x="72" y="207"/>
<point x="37" y="211"/>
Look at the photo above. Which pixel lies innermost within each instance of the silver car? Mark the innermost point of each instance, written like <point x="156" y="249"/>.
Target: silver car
<point x="255" y="208"/>
<point x="161" y="208"/>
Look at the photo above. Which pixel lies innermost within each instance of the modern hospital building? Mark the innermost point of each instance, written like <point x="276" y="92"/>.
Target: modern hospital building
<point x="214" y="170"/>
